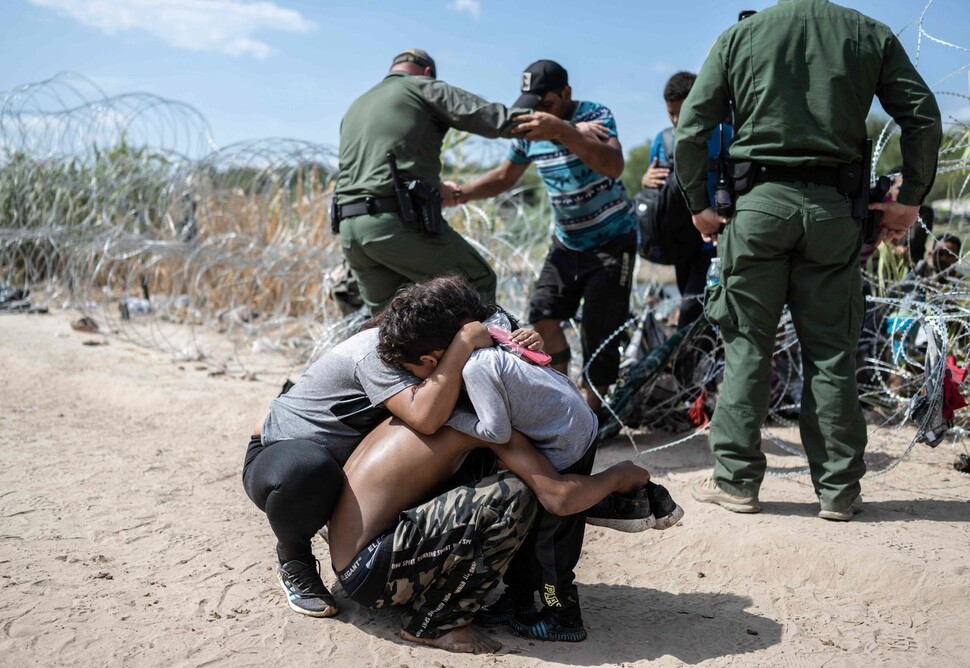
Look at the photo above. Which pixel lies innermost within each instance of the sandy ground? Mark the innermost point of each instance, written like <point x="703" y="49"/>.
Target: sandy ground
<point x="126" y="539"/>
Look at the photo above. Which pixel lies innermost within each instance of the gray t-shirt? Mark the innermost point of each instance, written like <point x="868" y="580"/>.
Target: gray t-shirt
<point x="509" y="393"/>
<point x="339" y="399"/>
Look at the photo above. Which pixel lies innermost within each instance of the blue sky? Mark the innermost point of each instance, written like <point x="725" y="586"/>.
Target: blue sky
<point x="289" y="68"/>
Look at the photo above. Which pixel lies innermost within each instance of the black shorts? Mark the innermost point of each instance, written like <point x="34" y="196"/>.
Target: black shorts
<point x="365" y="577"/>
<point x="601" y="278"/>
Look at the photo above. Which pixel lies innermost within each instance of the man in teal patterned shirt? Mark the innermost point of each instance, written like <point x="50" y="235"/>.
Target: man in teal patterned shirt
<point x="576" y="151"/>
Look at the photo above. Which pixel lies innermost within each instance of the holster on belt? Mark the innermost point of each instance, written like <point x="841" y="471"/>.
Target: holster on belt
<point x="860" y="194"/>
<point x="866" y="193"/>
<point x="334" y="214"/>
<point x="427" y="205"/>
<point x="743" y="173"/>
<point x="404" y="204"/>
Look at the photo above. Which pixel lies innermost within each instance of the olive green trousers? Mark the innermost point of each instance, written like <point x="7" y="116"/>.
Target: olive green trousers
<point x="384" y="253"/>
<point x="794" y="244"/>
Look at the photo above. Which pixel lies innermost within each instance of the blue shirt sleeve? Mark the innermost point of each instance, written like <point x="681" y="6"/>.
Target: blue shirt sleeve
<point x="657" y="148"/>
<point x="519" y="152"/>
<point x="594" y="111"/>
<point x="606" y="116"/>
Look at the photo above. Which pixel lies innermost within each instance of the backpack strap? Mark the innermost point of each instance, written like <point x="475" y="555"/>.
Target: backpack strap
<point x="668" y="141"/>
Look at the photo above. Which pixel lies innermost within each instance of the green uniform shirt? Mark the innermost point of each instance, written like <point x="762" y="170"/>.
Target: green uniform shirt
<point x="408" y="115"/>
<point x="801" y="76"/>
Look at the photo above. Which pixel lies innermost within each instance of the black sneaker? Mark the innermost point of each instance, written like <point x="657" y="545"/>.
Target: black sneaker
<point x="305" y="591"/>
<point x="666" y="512"/>
<point x="548" y="625"/>
<point x="623" y="513"/>
<point x="505" y="606"/>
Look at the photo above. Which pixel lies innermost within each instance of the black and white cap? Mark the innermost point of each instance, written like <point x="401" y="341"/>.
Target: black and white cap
<point x="538" y="79"/>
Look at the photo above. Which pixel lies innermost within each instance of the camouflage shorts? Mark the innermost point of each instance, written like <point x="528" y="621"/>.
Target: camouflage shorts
<point x="450" y="552"/>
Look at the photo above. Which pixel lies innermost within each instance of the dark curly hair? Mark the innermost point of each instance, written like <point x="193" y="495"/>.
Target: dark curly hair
<point x="426" y="316"/>
<point x="678" y="86"/>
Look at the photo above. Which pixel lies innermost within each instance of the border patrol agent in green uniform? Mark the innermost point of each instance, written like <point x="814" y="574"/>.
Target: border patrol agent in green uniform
<point x="408" y="113"/>
<point x="801" y="77"/>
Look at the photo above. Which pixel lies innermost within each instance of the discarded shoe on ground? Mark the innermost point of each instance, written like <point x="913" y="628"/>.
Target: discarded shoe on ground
<point x="86" y="325"/>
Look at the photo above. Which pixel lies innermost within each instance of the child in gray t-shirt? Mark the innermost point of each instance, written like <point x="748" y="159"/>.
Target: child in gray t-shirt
<point x="508" y="392"/>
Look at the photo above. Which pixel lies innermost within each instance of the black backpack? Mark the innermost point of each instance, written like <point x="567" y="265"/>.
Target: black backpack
<point x="667" y="233"/>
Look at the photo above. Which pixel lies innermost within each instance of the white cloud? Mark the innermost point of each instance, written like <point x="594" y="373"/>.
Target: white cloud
<point x="471" y="7"/>
<point x="226" y="26"/>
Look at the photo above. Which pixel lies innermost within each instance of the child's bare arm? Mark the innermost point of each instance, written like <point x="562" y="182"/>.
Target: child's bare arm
<point x="566" y="494"/>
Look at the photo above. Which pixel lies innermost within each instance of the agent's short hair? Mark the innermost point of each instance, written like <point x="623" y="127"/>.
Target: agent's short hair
<point x="425" y="317"/>
<point x="678" y="86"/>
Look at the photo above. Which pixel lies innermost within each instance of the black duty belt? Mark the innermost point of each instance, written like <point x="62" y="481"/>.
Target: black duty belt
<point x="369" y="205"/>
<point x="824" y="176"/>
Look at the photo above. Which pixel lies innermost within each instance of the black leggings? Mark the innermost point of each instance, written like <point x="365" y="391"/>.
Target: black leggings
<point x="297" y="484"/>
